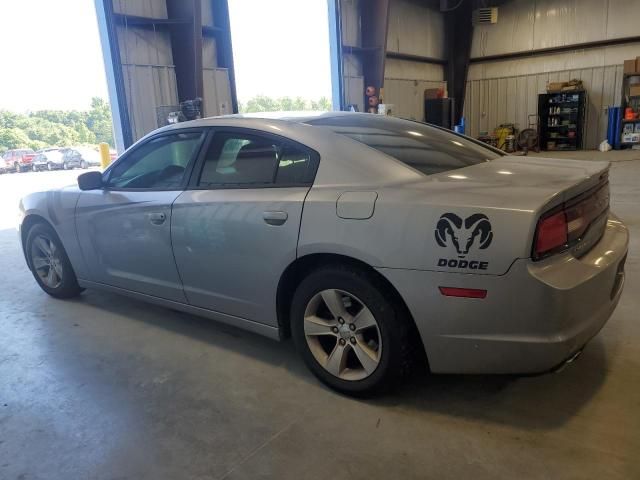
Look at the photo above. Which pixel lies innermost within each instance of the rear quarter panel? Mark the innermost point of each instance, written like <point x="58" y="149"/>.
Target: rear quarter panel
<point x="402" y="232"/>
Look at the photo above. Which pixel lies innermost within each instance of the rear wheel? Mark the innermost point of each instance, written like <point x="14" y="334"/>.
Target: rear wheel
<point x="17" y="167"/>
<point x="49" y="263"/>
<point x="351" y="336"/>
<point x="84" y="165"/>
<point x="34" y="168"/>
<point x="50" y="166"/>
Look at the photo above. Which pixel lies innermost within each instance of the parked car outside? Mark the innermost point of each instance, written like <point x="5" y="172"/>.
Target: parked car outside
<point x="47" y="159"/>
<point x="18" y="160"/>
<point x="80" y="157"/>
<point x="373" y="241"/>
<point x="3" y="165"/>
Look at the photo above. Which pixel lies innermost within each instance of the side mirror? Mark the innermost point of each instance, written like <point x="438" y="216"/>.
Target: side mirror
<point x="90" y="181"/>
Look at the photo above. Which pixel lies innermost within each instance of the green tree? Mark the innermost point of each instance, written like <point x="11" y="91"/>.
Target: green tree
<point x="13" y="138"/>
<point x="56" y="127"/>
<point x="99" y="121"/>
<point x="262" y="103"/>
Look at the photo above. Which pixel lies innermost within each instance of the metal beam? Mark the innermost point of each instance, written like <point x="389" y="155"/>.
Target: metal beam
<point x="186" y="46"/>
<point x="458" y="36"/>
<point x="138" y="21"/>
<point x="335" y="52"/>
<point x="224" y="47"/>
<point x="123" y="135"/>
<point x="374" y="16"/>
<point x="560" y="49"/>
<point x="416" y="58"/>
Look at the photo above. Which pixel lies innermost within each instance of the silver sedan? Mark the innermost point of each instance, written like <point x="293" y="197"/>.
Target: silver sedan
<point x="374" y="242"/>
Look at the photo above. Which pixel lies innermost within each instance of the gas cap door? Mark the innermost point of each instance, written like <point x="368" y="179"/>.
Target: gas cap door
<point x="356" y="205"/>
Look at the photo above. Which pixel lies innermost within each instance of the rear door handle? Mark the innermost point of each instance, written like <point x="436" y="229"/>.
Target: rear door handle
<point x="157" y="218"/>
<point x="275" y="218"/>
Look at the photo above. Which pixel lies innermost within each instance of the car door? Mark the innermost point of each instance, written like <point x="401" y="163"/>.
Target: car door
<point x="124" y="229"/>
<point x="236" y="228"/>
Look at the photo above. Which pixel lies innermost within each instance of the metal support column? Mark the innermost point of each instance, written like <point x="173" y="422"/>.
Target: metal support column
<point x="458" y="36"/>
<point x="122" y="134"/>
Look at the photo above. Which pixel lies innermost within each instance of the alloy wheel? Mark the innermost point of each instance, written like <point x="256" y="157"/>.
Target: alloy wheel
<point x="342" y="334"/>
<point x="46" y="261"/>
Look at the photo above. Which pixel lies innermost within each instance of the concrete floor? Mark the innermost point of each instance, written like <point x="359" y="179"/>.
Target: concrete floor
<point x="108" y="388"/>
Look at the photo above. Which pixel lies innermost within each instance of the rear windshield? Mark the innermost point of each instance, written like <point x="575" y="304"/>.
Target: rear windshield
<point x="426" y="148"/>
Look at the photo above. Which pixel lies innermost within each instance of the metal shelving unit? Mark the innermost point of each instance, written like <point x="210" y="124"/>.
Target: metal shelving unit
<point x="629" y="126"/>
<point x="562" y="120"/>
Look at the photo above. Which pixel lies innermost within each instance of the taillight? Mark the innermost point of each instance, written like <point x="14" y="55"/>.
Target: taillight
<point x="564" y="226"/>
<point x="551" y="234"/>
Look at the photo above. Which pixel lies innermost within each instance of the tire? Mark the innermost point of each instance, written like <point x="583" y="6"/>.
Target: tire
<point x="65" y="166"/>
<point x="83" y="165"/>
<point x="34" y="168"/>
<point x="387" y="342"/>
<point x="18" y="167"/>
<point x="50" y="166"/>
<point x="40" y="259"/>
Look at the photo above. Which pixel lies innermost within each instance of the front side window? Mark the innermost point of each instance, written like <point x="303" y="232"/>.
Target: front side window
<point x="425" y="148"/>
<point x="243" y="160"/>
<point x="161" y="163"/>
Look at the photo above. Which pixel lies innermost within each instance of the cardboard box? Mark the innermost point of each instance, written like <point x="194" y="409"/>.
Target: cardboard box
<point x="630" y="66"/>
<point x="555" y="86"/>
<point x="634" y="90"/>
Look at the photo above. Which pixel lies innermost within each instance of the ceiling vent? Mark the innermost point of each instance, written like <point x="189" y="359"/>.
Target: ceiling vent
<point x="483" y="16"/>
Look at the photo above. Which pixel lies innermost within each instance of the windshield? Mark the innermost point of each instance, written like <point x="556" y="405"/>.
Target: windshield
<point x="426" y="148"/>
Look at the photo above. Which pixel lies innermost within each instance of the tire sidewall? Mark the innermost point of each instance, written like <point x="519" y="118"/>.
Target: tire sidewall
<point x="69" y="286"/>
<point x="361" y="286"/>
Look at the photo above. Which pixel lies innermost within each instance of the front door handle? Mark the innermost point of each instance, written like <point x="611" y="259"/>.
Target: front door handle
<point x="275" y="218"/>
<point x="157" y="218"/>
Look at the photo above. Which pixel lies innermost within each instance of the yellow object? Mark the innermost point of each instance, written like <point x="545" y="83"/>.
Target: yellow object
<point x="105" y="157"/>
<point x="502" y="132"/>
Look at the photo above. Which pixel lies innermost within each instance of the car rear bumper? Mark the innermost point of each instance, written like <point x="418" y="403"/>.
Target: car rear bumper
<point x="534" y="317"/>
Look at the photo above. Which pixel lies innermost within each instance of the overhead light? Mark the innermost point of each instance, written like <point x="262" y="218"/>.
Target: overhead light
<point x="455" y="142"/>
<point x="458" y="177"/>
<point x="415" y="134"/>
<point x="505" y="172"/>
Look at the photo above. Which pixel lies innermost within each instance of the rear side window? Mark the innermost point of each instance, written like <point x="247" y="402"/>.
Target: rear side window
<point x="247" y="160"/>
<point x="427" y="149"/>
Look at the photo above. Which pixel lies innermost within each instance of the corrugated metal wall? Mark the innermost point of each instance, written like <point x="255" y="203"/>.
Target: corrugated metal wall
<point x="506" y="91"/>
<point x="149" y="71"/>
<point x="415" y="28"/>
<point x="491" y="102"/>
<point x="147" y="65"/>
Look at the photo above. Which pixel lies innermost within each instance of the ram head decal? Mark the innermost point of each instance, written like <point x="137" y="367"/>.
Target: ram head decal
<point x="463" y="234"/>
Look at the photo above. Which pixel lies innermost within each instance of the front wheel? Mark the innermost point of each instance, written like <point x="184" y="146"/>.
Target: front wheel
<point x="49" y="263"/>
<point x="84" y="165"/>
<point x="18" y="168"/>
<point x="351" y="336"/>
<point x="50" y="166"/>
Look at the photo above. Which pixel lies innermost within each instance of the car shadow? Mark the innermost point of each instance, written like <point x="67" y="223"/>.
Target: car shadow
<point x="544" y="401"/>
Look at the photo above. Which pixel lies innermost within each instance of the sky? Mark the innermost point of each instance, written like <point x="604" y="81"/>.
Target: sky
<point x="281" y="48"/>
<point x="51" y="58"/>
